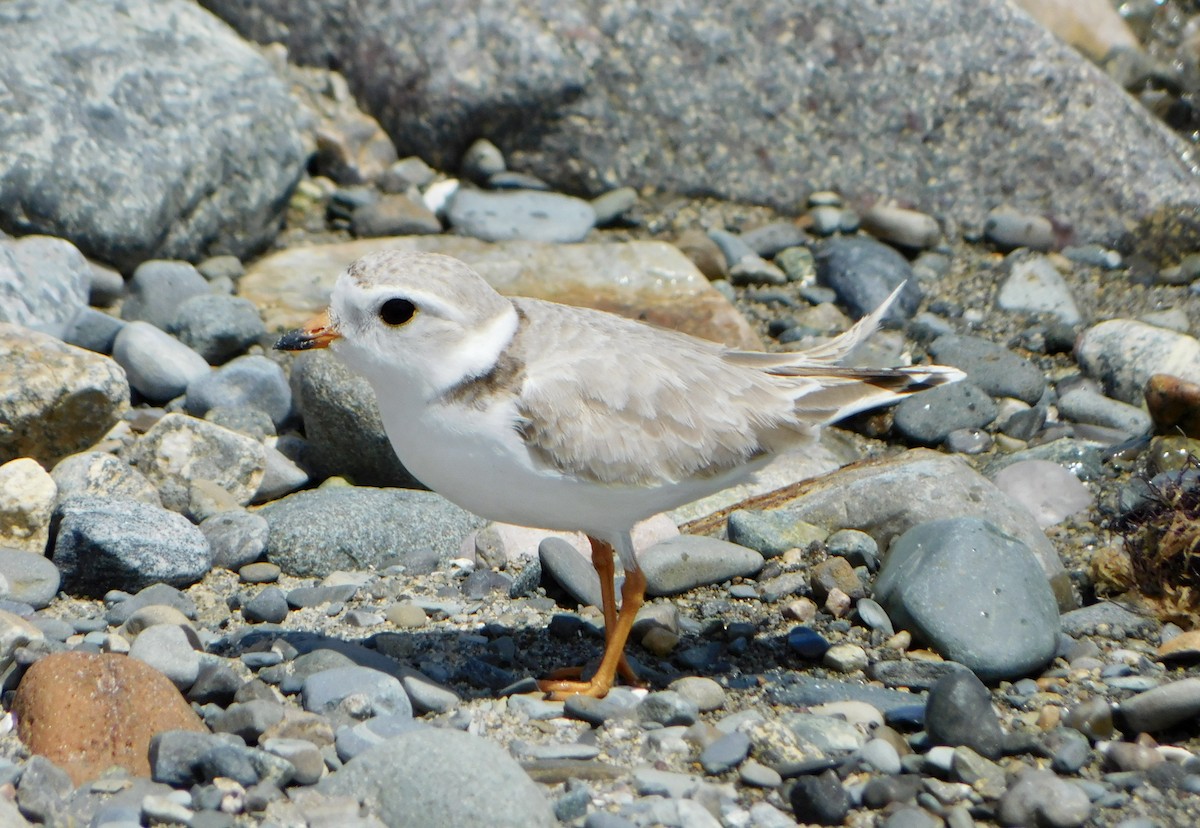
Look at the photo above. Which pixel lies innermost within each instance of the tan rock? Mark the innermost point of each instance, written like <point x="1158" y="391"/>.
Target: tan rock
<point x="27" y="495"/>
<point x="55" y="399"/>
<point x="88" y="712"/>
<point x="1092" y="26"/>
<point x="647" y="280"/>
<point x="1174" y="405"/>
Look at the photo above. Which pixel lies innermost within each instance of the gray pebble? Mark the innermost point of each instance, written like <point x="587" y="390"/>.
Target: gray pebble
<point x="881" y="756"/>
<point x="428" y="696"/>
<point x="668" y="708"/>
<point x="482" y="160"/>
<point x="705" y="693"/>
<point x="994" y="368"/>
<point x="383" y="694"/>
<point x="157" y="289"/>
<point x="268" y="606"/>
<point x="913" y="674"/>
<point x="31" y="578"/>
<point x="44" y="282"/>
<point x="1008" y="229"/>
<point x="1034" y="286"/>
<point x="959" y="712"/>
<point x="303" y="755"/>
<point x="1083" y="405"/>
<point x="216" y="326"/>
<point x="733" y="248"/>
<point x="859" y="548"/>
<point x="874" y="616"/>
<point x="236" y="538"/>
<point x="521" y="214"/>
<point x="770" y="533"/>
<point x="104" y="543"/>
<point x="166" y="648"/>
<point x="1038" y="797"/>
<point x="864" y="272"/>
<point x="221" y="267"/>
<point x="688" y="561"/>
<point x="158" y="366"/>
<point x="122" y="610"/>
<point x="759" y="776"/>
<point x="394" y="215"/>
<point x="613" y="204"/>
<point x="92" y="329"/>
<point x="246" y="381"/>
<point x="929" y="417"/>
<point x="725" y="754"/>
<point x="620" y="703"/>
<point x="280" y="477"/>
<point x="769" y="240"/>
<point x="250" y="719"/>
<point x="904" y="228"/>
<point x="1162" y="707"/>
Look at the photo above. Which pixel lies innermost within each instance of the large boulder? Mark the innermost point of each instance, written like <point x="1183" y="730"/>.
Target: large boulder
<point x="141" y="129"/>
<point x="954" y="109"/>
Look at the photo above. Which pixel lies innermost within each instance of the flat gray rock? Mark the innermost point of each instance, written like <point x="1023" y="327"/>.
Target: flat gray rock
<point x="101" y="473"/>
<point x="44" y="282"/>
<point x="442" y="778"/>
<point x="109" y="543"/>
<point x="158" y="288"/>
<point x="1034" y="286"/>
<point x="315" y="532"/>
<point x="977" y="595"/>
<point x="521" y="214"/>
<point x="158" y="365"/>
<point x="217" y="326"/>
<point x="31" y="578"/>
<point x="881" y="100"/>
<point x="172" y="139"/>
<point x="688" y="561"/>
<point x="992" y="367"/>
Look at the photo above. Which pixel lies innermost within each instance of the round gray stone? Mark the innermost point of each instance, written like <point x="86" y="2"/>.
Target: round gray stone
<point x="114" y="543"/>
<point x="315" y="532"/>
<point x="158" y="366"/>
<point x="158" y="288"/>
<point x="217" y="326"/>
<point x="995" y="369"/>
<point x="246" y="381"/>
<point x="1038" y="797"/>
<point x="978" y="595"/>
<point x="688" y="561"/>
<point x="929" y="417"/>
<point x="441" y="778"/>
<point x="268" y="606"/>
<point x="31" y="578"/>
<point x="92" y="329"/>
<point x="521" y="214"/>
<point x="864" y="272"/>
<point x="325" y="690"/>
<point x="166" y="648"/>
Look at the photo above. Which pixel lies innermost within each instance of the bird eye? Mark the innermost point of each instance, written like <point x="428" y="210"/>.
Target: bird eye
<point x="396" y="312"/>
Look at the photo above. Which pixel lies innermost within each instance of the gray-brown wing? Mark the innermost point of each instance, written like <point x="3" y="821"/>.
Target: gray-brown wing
<point x="613" y="401"/>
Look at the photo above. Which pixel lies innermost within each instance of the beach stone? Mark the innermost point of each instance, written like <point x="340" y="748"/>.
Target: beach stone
<point x="959" y="712"/>
<point x="442" y="778"/>
<point x="725" y="753"/>
<point x="612" y="205"/>
<point x="769" y="534"/>
<point x="704" y="253"/>
<point x="236" y="538"/>
<point x="158" y="288"/>
<point x="93" y="330"/>
<point x="55" y="399"/>
<point x="384" y="695"/>
<point x="166" y="648"/>
<point x="103" y="474"/>
<point x="1008" y="228"/>
<point x="527" y="215"/>
<point x="113" y="543"/>
<point x="158" y="365"/>
<point x="975" y="593"/>
<point x="905" y="228"/>
<point x="315" y="532"/>
<point x="570" y="570"/>
<point x="253" y="381"/>
<point x="930" y="417"/>
<point x="1125" y="353"/>
<point x="688" y="561"/>
<point x="44" y="283"/>
<point x="1162" y="707"/>
<point x="87" y="712"/>
<point x="31" y="578"/>
<point x="394" y="215"/>
<point x="995" y="369"/>
<point x="864" y="272"/>
<point x="770" y="239"/>
<point x="1039" y="797"/>
<point x="1033" y="285"/>
<point x="1082" y="405"/>
<point x="217" y="326"/>
<point x="1174" y="405"/>
<point x="177" y="165"/>
<point x="888" y="498"/>
<point x="179" y="451"/>
<point x="1050" y="493"/>
<point x="280" y="477"/>
<point x="27" y="495"/>
<point x="702" y="691"/>
<point x="820" y="800"/>
<point x="668" y="708"/>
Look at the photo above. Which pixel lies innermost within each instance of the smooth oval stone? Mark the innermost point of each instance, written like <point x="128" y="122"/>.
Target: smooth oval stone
<point x="688" y="561"/>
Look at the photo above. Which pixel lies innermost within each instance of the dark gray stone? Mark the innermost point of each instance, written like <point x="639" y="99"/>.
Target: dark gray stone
<point x="112" y="543"/>
<point x="268" y="606"/>
<point x="668" y="708"/>
<point x="959" y="712"/>
<point x="171" y="137"/>
<point x="976" y="594"/>
<point x="315" y="532"/>
<point x="1082" y="405"/>
<point x="217" y="326"/>
<point x="92" y="329"/>
<point x="520" y="214"/>
<point x="726" y="753"/>
<point x="929" y="417"/>
<point x="442" y="778"/>
<point x="158" y="288"/>
<point x="44" y="281"/>
<point x="994" y="368"/>
<point x="639" y="97"/>
<point x="31" y="578"/>
<point x="1162" y="707"/>
<point x="158" y="366"/>
<point x="820" y="800"/>
<point x="152" y="595"/>
<point x="246" y="381"/>
<point x="570" y="570"/>
<point x="864" y="272"/>
<point x="236" y="538"/>
<point x="802" y="691"/>
<point x="175" y="756"/>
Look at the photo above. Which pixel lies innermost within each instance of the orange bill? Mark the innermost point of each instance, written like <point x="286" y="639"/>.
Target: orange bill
<point x="318" y="332"/>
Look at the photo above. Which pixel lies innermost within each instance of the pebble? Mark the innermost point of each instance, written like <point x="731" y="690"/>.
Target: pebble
<point x="688" y="561"/>
<point x="612" y="205"/>
<point x="318" y="531"/>
<point x="725" y="753"/>
<point x="217" y="326"/>
<point x="807" y="642"/>
<point x="881" y="756"/>
<point x="770" y="533"/>
<point x="381" y="694"/>
<point x="166" y="648"/>
<point x="180" y="451"/>
<point x="482" y="160"/>
<point x="1124" y="354"/>
<point x="821" y="800"/>
<point x="904" y="228"/>
<point x="1083" y="405"/>
<point x="929" y="417"/>
<point x="27" y="496"/>
<point x="845" y="658"/>
<point x="394" y="215"/>
<point x="1009" y="229"/>
<point x="246" y="381"/>
<point x="93" y="329"/>
<point x="236" y="538"/>
<point x="993" y="368"/>
<point x="105" y="543"/>
<point x="759" y="776"/>
<point x="1038" y="797"/>
<point x="44" y="280"/>
<point x="443" y="779"/>
<point x="1174" y="405"/>
<point x="668" y="708"/>
<point x="158" y="366"/>
<point x="770" y="239"/>
<point x="268" y="606"/>
<point x="103" y="474"/>
<point x="1162" y="707"/>
<point x="859" y="548"/>
<point x="701" y="691"/>
<point x="959" y="712"/>
<point x="1034" y="286"/>
<point x="157" y="289"/>
<point x="874" y="616"/>
<point x="520" y="214"/>
<point x="864" y="272"/>
<point x="1002" y="619"/>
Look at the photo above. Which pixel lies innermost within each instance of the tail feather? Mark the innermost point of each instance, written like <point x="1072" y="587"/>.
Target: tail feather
<point x="832" y="394"/>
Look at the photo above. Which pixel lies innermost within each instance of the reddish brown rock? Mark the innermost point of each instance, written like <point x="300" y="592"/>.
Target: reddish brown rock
<point x="88" y="712"/>
<point x="1174" y="405"/>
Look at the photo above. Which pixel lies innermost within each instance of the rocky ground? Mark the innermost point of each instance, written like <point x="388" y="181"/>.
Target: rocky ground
<point x="226" y="605"/>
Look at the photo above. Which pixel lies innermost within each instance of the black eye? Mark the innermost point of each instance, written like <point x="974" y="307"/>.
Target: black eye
<point x="396" y="312"/>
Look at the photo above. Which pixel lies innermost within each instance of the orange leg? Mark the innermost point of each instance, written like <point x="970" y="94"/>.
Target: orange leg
<point x="616" y="628"/>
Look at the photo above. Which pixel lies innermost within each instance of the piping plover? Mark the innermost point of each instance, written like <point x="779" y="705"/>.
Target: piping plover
<point x="539" y="414"/>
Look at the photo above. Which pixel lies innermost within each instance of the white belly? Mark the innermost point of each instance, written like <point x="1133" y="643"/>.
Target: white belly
<point x="477" y="459"/>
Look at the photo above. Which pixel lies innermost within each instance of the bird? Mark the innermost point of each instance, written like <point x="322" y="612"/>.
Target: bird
<point x="534" y="413"/>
